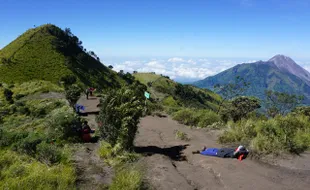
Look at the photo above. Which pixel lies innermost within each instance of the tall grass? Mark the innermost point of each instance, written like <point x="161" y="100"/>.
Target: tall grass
<point x="23" y="172"/>
<point x="128" y="178"/>
<point x="196" y="118"/>
<point x="290" y="133"/>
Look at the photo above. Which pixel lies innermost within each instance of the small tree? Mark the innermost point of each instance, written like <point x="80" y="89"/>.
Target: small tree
<point x="280" y="103"/>
<point x="110" y="67"/>
<point x="8" y="94"/>
<point x="73" y="93"/>
<point x="231" y="90"/>
<point x="119" y="116"/>
<point x="68" y="80"/>
<point x="243" y="106"/>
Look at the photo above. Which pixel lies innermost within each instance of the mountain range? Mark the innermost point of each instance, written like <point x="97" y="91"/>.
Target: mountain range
<point x="280" y="73"/>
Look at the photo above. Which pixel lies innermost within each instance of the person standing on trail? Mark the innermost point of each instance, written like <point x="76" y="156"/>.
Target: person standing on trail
<point x="87" y="93"/>
<point x="240" y="153"/>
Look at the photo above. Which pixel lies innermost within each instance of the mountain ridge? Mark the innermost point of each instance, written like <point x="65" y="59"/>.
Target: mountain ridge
<point x="263" y="75"/>
<point x="50" y="53"/>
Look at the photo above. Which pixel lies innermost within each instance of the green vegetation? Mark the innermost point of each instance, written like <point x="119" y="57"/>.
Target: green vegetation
<point x="181" y="135"/>
<point x="116" y="156"/>
<point x="33" y="137"/>
<point x="120" y="114"/>
<point x="196" y="118"/>
<point x="128" y="178"/>
<point x="289" y="133"/>
<point x="173" y="95"/>
<point x="23" y="172"/>
<point x="49" y="53"/>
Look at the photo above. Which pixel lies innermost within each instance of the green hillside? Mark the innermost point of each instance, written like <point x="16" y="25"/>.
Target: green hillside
<point x="261" y="77"/>
<point x="49" y="53"/>
<point x="173" y="94"/>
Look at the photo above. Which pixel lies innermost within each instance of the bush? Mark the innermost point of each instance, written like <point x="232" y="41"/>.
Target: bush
<point x="208" y="118"/>
<point x="23" y="172"/>
<point x="29" y="144"/>
<point x="115" y="156"/>
<point x="48" y="153"/>
<point x="63" y="124"/>
<point x="186" y="117"/>
<point x="73" y="94"/>
<point x="197" y="118"/>
<point x="280" y="134"/>
<point x="120" y="113"/>
<point x="8" y="94"/>
<point x="127" y="178"/>
<point x="181" y="135"/>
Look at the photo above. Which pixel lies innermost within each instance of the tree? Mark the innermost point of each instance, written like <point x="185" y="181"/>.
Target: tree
<point x="231" y="90"/>
<point x="110" y="67"/>
<point x="280" y="102"/>
<point x="135" y="72"/>
<point x="119" y="116"/>
<point x="73" y="93"/>
<point x="8" y="94"/>
<point x="68" y="32"/>
<point x="68" y="80"/>
<point x="242" y="106"/>
<point x="98" y="59"/>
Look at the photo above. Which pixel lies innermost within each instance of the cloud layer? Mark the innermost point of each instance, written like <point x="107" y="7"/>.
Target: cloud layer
<point x="179" y="69"/>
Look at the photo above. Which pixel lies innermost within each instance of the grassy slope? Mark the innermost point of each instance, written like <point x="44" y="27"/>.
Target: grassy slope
<point x="33" y="55"/>
<point x="164" y="89"/>
<point x="19" y="170"/>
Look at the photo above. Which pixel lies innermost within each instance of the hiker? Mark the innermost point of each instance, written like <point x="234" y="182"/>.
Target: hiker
<point x="240" y="153"/>
<point x="86" y="130"/>
<point x="91" y="89"/>
<point x="87" y="93"/>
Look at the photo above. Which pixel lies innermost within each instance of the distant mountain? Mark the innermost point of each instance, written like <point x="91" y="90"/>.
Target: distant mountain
<point x="280" y="73"/>
<point x="49" y="53"/>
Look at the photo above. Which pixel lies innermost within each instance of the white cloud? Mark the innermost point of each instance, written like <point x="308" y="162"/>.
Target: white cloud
<point x="179" y="68"/>
<point x="176" y="59"/>
<point x="155" y="64"/>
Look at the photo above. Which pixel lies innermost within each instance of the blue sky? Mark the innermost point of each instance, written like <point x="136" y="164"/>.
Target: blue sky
<point x="217" y="29"/>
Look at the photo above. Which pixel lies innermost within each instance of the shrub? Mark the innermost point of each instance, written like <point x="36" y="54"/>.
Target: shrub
<point x="277" y="135"/>
<point x="62" y="124"/>
<point x="23" y="172"/>
<point x="208" y="118"/>
<point x="8" y="94"/>
<point x="181" y="135"/>
<point x="19" y="96"/>
<point x="68" y="80"/>
<point x="29" y="144"/>
<point x="48" y="153"/>
<point x="115" y="156"/>
<point x="73" y="93"/>
<point x="120" y="113"/>
<point x="127" y="178"/>
<point x="186" y="116"/>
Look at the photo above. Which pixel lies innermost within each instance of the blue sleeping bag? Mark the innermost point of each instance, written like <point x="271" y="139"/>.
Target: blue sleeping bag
<point x="210" y="152"/>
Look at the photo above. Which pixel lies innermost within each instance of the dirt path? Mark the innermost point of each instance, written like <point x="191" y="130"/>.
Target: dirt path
<point x="92" y="172"/>
<point x="171" y="165"/>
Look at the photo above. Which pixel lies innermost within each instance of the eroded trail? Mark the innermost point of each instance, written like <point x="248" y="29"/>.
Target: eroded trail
<point x="171" y="165"/>
<point x="92" y="172"/>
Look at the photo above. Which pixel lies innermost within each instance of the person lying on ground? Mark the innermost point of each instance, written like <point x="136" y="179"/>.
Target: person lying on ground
<point x="240" y="153"/>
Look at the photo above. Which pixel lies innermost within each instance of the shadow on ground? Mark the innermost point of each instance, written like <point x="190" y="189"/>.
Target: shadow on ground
<point x="175" y="152"/>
